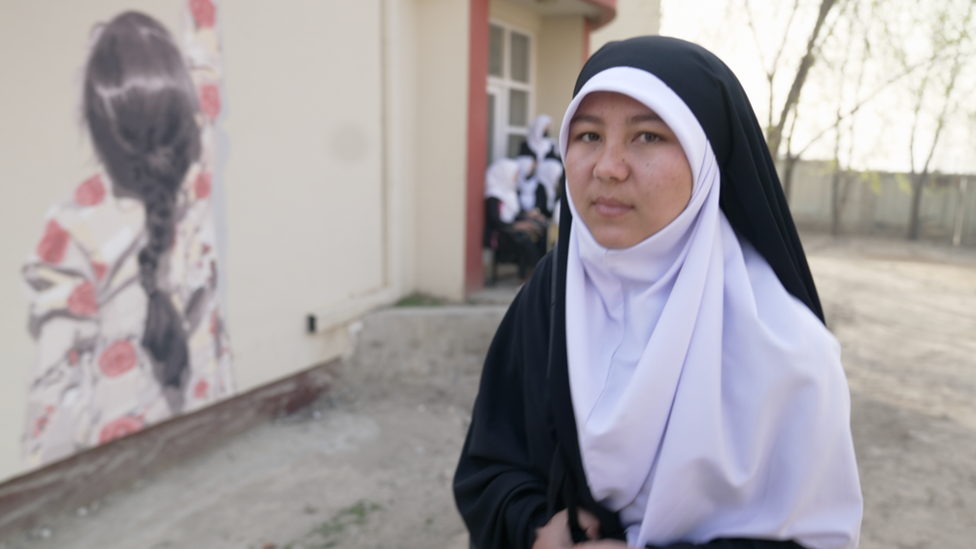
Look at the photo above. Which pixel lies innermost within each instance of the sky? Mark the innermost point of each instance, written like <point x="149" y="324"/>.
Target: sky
<point x="881" y="135"/>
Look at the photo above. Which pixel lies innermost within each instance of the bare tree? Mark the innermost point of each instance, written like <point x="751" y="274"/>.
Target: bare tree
<point x="857" y="33"/>
<point x="951" y="47"/>
<point x="775" y="61"/>
<point x="775" y="135"/>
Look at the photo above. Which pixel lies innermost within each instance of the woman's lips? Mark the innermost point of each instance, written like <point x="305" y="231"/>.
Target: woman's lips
<point x="610" y="207"/>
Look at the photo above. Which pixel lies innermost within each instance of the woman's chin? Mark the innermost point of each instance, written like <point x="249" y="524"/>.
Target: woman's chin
<point x="616" y="238"/>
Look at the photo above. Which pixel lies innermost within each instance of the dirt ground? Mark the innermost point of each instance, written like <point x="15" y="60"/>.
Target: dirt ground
<point x="370" y="465"/>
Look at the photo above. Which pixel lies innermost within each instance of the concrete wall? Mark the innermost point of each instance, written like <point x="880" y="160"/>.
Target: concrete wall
<point x="305" y="189"/>
<point x="634" y="18"/>
<point x="560" y="53"/>
<point x="880" y="203"/>
<point x="515" y="14"/>
<point x="441" y="141"/>
<point x="401" y="20"/>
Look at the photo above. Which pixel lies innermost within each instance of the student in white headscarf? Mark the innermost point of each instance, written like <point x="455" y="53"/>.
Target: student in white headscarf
<point x="510" y="230"/>
<point x="549" y="175"/>
<point x="540" y="147"/>
<point x="538" y="144"/>
<point x="665" y="379"/>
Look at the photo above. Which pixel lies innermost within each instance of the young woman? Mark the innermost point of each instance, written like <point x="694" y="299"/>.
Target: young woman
<point x="665" y="379"/>
<point x="123" y="283"/>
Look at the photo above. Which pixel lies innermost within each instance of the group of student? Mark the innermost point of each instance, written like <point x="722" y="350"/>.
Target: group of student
<point x="521" y="199"/>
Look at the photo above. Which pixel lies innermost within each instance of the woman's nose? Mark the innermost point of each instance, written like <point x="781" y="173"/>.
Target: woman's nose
<point x="611" y="164"/>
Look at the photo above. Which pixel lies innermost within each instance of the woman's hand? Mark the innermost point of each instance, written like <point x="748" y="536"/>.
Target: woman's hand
<point x="555" y="534"/>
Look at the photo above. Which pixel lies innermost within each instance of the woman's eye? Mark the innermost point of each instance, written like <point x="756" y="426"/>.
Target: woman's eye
<point x="648" y="137"/>
<point x="588" y="137"/>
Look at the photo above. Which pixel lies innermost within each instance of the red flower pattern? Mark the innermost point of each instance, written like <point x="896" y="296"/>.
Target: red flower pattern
<point x="91" y="192"/>
<point x="42" y="422"/>
<point x="201" y="389"/>
<point x="210" y="100"/>
<point x="54" y="243"/>
<point x="83" y="301"/>
<point x="201" y="187"/>
<point x="204" y="13"/>
<point x="99" y="269"/>
<point x="118" y="428"/>
<point x="73" y="357"/>
<point x="118" y="359"/>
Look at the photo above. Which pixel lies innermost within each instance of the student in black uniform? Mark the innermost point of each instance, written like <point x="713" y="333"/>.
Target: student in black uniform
<point x="665" y="379"/>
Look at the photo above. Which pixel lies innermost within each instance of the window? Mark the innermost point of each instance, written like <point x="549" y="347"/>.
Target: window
<point x="510" y="90"/>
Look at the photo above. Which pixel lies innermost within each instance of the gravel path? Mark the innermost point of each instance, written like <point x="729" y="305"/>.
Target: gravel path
<point x="370" y="465"/>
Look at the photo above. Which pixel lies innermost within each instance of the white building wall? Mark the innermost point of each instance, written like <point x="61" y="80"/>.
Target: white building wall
<point x="304" y="175"/>
<point x="634" y="18"/>
<point x="441" y="144"/>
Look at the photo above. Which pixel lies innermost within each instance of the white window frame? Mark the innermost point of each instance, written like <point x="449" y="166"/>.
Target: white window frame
<point x="500" y="86"/>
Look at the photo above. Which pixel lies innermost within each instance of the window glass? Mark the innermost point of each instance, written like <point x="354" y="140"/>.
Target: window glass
<point x="520" y="57"/>
<point x="491" y="127"/>
<point x="518" y="108"/>
<point x="496" y="45"/>
<point x="514" y="144"/>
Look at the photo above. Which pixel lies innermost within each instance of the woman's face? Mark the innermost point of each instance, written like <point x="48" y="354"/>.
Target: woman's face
<point x="626" y="170"/>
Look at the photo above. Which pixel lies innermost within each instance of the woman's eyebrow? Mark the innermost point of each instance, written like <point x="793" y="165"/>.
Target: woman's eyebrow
<point x="649" y="117"/>
<point x="586" y="118"/>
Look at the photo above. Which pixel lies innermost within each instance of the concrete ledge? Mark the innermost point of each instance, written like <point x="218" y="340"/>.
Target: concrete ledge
<point x="27" y="500"/>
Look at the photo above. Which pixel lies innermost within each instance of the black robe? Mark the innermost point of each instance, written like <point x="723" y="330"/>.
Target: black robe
<point x="521" y="461"/>
<point x="526" y="150"/>
<point x="541" y="196"/>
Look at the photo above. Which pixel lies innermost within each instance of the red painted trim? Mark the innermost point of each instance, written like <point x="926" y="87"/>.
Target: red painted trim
<point x="608" y="10"/>
<point x="474" y="277"/>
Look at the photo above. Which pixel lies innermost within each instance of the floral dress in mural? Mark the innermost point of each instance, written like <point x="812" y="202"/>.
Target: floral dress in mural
<point x="93" y="382"/>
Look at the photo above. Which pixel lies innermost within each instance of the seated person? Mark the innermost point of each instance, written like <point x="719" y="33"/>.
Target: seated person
<point x="518" y="233"/>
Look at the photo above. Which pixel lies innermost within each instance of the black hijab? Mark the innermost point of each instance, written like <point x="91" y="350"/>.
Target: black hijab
<point x="751" y="195"/>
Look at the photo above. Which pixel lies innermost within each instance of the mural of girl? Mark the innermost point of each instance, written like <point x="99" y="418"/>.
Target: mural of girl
<point x="123" y="283"/>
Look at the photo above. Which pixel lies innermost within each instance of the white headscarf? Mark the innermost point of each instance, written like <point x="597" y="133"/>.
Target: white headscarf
<point x="547" y="174"/>
<point x="537" y="140"/>
<point x="500" y="183"/>
<point x="709" y="401"/>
